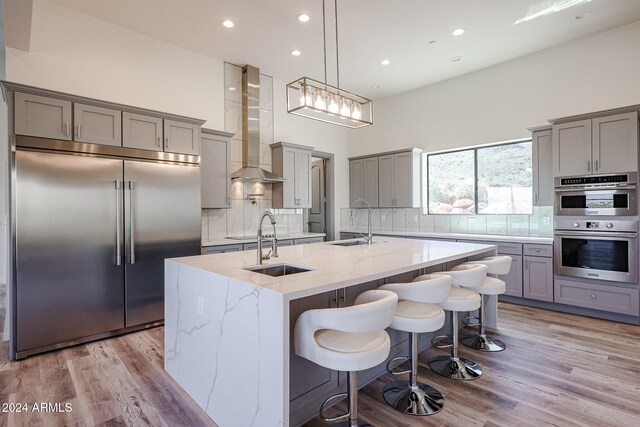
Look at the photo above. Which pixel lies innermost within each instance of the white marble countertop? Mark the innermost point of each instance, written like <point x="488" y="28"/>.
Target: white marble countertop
<point x="335" y="267"/>
<point x="484" y="237"/>
<point x="226" y="241"/>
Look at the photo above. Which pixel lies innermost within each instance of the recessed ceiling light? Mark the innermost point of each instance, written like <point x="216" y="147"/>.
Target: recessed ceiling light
<point x="231" y="88"/>
<point x="458" y="31"/>
<point x="582" y="15"/>
<point x="228" y="23"/>
<point x="375" y="87"/>
<point x="385" y="62"/>
<point x="296" y="53"/>
<point x="456" y="58"/>
<point x="303" y="17"/>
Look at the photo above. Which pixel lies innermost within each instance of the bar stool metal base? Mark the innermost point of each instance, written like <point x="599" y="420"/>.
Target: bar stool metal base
<point x="455" y="368"/>
<point x="413" y="400"/>
<point x="483" y="343"/>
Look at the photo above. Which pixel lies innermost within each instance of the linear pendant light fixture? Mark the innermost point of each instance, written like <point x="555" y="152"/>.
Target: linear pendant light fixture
<point x="317" y="100"/>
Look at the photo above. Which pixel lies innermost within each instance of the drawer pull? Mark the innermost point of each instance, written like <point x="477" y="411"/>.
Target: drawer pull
<point x="593" y="296"/>
<point x="537" y="249"/>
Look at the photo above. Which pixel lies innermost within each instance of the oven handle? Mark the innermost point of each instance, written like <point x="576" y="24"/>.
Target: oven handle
<point x="583" y="189"/>
<point x="612" y="234"/>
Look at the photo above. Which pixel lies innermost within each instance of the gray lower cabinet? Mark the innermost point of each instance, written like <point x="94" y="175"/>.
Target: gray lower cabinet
<point x="42" y="116"/>
<point x="221" y="249"/>
<point x="97" y="125"/>
<point x="141" y="131"/>
<point x="181" y="137"/>
<point x="309" y="240"/>
<point x="513" y="280"/>
<point x="600" y="297"/>
<point x="538" y="278"/>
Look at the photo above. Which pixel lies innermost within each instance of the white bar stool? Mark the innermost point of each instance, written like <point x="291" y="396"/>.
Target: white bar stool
<point x="417" y="312"/>
<point x="462" y="297"/>
<point x="496" y="265"/>
<point x="347" y="339"/>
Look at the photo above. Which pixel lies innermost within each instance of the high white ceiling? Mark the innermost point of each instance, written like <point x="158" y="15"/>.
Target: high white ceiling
<point x="369" y="31"/>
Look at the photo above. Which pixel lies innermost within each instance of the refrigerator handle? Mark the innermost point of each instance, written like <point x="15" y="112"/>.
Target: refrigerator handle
<point x="132" y="256"/>
<point x="118" y="224"/>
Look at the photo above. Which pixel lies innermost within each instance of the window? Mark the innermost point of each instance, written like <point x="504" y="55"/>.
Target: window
<point x="494" y="179"/>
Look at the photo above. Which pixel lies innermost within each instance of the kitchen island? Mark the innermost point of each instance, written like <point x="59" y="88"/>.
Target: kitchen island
<point x="227" y="328"/>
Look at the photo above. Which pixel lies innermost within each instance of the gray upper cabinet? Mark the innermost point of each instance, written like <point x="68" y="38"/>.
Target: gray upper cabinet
<point x="97" y="125"/>
<point x="41" y="116"/>
<point x="215" y="169"/>
<point x="363" y="180"/>
<point x="293" y="163"/>
<point x="542" y="168"/>
<point x="142" y="132"/>
<point x="538" y="278"/>
<point x="181" y="137"/>
<point x="572" y="148"/>
<point x="595" y="146"/>
<point x="356" y="180"/>
<point x="386" y="174"/>
<point x="397" y="181"/>
<point x="615" y="143"/>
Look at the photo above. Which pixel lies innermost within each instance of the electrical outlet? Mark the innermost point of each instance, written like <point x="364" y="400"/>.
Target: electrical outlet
<point x="415" y="218"/>
<point x="200" y="306"/>
<point x="471" y="220"/>
<point x="383" y="217"/>
<point x="545" y="220"/>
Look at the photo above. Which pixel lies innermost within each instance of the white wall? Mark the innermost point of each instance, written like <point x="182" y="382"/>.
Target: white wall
<point x="75" y="53"/>
<point x="499" y="103"/>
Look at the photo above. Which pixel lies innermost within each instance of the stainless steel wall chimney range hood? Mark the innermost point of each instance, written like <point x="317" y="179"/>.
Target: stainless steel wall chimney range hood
<point x="251" y="170"/>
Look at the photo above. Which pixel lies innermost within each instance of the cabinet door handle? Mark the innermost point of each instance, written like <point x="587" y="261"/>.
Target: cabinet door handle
<point x="589" y="165"/>
<point x="166" y="143"/>
<point x="596" y="165"/>
<point x="159" y="142"/>
<point x="593" y="296"/>
<point x="77" y="131"/>
<point x="66" y="128"/>
<point x="526" y="264"/>
<point x="535" y="198"/>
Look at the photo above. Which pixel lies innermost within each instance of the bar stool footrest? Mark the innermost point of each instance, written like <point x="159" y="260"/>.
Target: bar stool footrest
<point x="435" y="341"/>
<point x="341" y="417"/>
<point x="471" y="321"/>
<point x="392" y="372"/>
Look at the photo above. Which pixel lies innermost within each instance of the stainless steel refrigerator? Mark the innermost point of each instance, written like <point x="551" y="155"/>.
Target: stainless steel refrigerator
<point x="92" y="227"/>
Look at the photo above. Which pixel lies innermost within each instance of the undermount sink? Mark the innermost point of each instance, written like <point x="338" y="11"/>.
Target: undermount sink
<point x="278" y="269"/>
<point x="350" y="243"/>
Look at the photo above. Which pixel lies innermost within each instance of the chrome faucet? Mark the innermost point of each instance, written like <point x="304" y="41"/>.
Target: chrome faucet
<point x="274" y="240"/>
<point x="369" y="238"/>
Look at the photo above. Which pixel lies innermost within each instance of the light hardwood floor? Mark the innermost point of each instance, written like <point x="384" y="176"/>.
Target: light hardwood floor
<point x="558" y="369"/>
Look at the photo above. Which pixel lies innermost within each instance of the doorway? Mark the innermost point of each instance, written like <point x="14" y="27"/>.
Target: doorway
<point x="320" y="217"/>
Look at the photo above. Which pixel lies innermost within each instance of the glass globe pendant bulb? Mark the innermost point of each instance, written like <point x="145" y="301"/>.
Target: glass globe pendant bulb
<point x="333" y="105"/>
<point x="345" y="111"/>
<point x="356" y="113"/>
<point x="320" y="103"/>
<point x="306" y="100"/>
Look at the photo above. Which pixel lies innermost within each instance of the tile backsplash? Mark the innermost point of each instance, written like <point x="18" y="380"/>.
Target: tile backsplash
<point x="242" y="218"/>
<point x="539" y="223"/>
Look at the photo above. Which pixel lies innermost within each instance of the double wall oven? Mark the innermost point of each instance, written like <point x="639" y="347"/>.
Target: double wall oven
<point x="596" y="227"/>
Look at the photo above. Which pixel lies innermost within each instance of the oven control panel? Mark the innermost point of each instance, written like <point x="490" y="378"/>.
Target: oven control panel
<point x="602" y="225"/>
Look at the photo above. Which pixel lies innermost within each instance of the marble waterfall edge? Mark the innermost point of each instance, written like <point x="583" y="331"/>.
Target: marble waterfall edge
<point x="243" y="378"/>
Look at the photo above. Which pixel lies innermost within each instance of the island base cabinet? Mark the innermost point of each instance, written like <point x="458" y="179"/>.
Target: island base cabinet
<point x="309" y="383"/>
